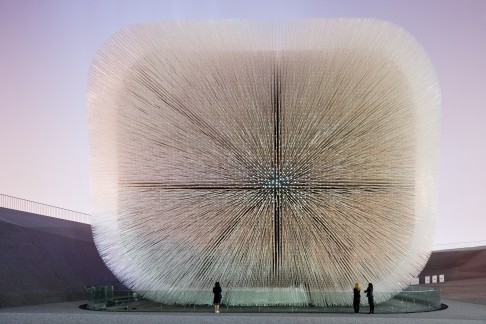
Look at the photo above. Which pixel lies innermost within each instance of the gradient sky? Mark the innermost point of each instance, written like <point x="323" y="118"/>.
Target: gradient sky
<point x="46" y="48"/>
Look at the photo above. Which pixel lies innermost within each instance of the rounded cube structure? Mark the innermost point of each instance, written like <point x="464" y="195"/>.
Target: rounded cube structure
<point x="286" y="160"/>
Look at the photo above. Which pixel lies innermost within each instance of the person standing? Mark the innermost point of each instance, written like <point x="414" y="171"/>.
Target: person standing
<point x="369" y="294"/>
<point x="217" y="291"/>
<point x="356" y="297"/>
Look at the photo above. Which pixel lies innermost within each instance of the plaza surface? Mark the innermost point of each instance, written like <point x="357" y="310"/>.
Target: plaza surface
<point x="69" y="312"/>
<point x="49" y="260"/>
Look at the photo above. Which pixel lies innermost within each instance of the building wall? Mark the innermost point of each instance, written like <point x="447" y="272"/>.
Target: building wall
<point x="47" y="260"/>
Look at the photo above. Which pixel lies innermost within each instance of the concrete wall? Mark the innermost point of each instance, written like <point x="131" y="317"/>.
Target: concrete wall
<point x="46" y="260"/>
<point x="462" y="264"/>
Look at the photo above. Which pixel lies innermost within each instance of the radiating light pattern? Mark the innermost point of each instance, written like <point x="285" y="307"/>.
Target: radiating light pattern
<point x="286" y="160"/>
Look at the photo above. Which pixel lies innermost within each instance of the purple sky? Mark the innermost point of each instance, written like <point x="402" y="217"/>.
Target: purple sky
<point x="46" y="48"/>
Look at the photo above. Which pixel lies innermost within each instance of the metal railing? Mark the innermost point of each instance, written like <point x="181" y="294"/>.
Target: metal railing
<point x="29" y="206"/>
<point x="457" y="245"/>
<point x="33" y="207"/>
<point x="410" y="300"/>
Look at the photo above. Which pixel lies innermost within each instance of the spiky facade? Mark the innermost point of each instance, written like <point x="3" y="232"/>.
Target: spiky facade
<point x="286" y="160"/>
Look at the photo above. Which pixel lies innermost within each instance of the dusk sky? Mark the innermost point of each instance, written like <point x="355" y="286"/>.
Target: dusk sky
<point x="46" y="49"/>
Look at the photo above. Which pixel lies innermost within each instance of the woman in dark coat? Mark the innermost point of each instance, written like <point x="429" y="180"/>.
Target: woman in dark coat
<point x="217" y="291"/>
<point x="356" y="297"/>
<point x="369" y="294"/>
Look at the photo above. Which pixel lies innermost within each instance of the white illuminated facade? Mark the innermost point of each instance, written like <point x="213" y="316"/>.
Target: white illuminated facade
<point x="285" y="160"/>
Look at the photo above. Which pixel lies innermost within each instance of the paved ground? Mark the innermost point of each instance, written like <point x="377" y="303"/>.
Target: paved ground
<point x="458" y="312"/>
<point x="48" y="245"/>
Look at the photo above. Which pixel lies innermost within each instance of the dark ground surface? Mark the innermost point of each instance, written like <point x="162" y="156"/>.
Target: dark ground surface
<point x="69" y="312"/>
